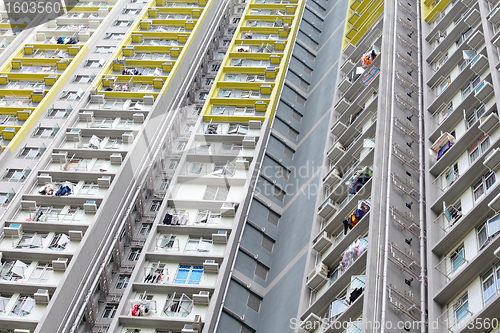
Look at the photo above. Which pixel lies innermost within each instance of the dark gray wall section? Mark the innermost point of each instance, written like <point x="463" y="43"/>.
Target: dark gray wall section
<point x="284" y="283"/>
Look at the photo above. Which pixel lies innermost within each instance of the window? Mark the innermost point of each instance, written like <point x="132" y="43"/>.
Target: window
<point x="59" y="242"/>
<point x="23" y="307"/>
<point x="457" y="258"/>
<point x="442" y="87"/>
<point x="278" y="193"/>
<point x="267" y="243"/>
<point x="178" y="306"/>
<point x="104" y="49"/>
<point x="31" y="152"/>
<point x="461" y="308"/>
<point x="253" y="302"/>
<point x="273" y="217"/>
<point x="297" y="116"/>
<point x="261" y="271"/>
<point x="89" y="189"/>
<point x="130" y="11"/>
<point x="226" y="42"/>
<point x="301" y="100"/>
<point x="145" y="228"/>
<point x="208" y="217"/>
<point x="114" y="36"/>
<point x="122" y="282"/>
<point x="479" y="148"/>
<point x="58" y="113"/>
<point x="483" y="185"/>
<point x="198" y="245"/>
<point x="82" y="78"/>
<point x="155" y="206"/>
<point x="293" y="133"/>
<point x="475" y="115"/>
<point x="452" y="175"/>
<point x="95" y="63"/>
<point x="217" y="193"/>
<point x="13" y="270"/>
<point x="16" y="175"/>
<point x="5" y="198"/>
<point x="164" y="184"/>
<point x="72" y="95"/>
<point x="187" y="274"/>
<point x="215" y="67"/>
<point x="470" y="87"/>
<point x="43" y="132"/>
<point x="134" y="254"/>
<point x="41" y="273"/>
<point x="288" y="152"/>
<point x="30" y="241"/>
<point x="446" y="112"/>
<point x="236" y="20"/>
<point x="110" y="310"/>
<point x="464" y="36"/>
<point x="123" y="23"/>
<point x="488" y="231"/>
<point x="491" y="284"/>
<point x="172" y="164"/>
<point x="181" y="145"/>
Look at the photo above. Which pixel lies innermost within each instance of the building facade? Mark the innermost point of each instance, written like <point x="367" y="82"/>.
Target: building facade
<point x="250" y="166"/>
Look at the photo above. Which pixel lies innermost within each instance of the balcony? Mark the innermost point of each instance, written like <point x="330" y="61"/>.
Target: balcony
<point x="347" y="305"/>
<point x="343" y="240"/>
<point x="451" y="12"/>
<point x="357" y="267"/>
<point x="469" y="220"/>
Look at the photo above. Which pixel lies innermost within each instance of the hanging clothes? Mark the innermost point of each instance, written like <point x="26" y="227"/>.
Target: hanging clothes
<point x="370" y="76"/>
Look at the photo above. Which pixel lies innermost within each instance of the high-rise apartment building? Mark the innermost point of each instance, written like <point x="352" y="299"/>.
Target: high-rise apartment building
<point x="250" y="166"/>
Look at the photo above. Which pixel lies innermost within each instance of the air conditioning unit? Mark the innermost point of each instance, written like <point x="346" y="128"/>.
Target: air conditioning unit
<point x="75" y="235"/>
<point x="116" y="158"/>
<point x="42" y="296"/>
<point x="13" y="230"/>
<point x="202" y="298"/>
<point x="60" y="264"/>
<point x="344" y="84"/>
<point x="347" y="66"/>
<point x="342" y="105"/>
<point x="220" y="237"/>
<point x="87" y="116"/>
<point x="318" y="277"/>
<point x="104" y="181"/>
<point x="254" y="124"/>
<point x="335" y="152"/>
<point x="249" y="142"/>
<point x="197" y="322"/>
<point x="138" y="118"/>
<point x="327" y="208"/>
<point x="99" y="99"/>
<point x="493" y="159"/>
<point x="149" y="100"/>
<point x="188" y="328"/>
<point x="28" y="205"/>
<point x="128" y="137"/>
<point x="323" y="242"/>
<point x="74" y="135"/>
<point x="23" y="115"/>
<point x="228" y="210"/>
<point x="44" y="178"/>
<point x="102" y="11"/>
<point x="60" y="157"/>
<point x="94" y="24"/>
<point x="311" y="323"/>
<point x="210" y="266"/>
<point x="242" y="163"/>
<point x="90" y="206"/>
